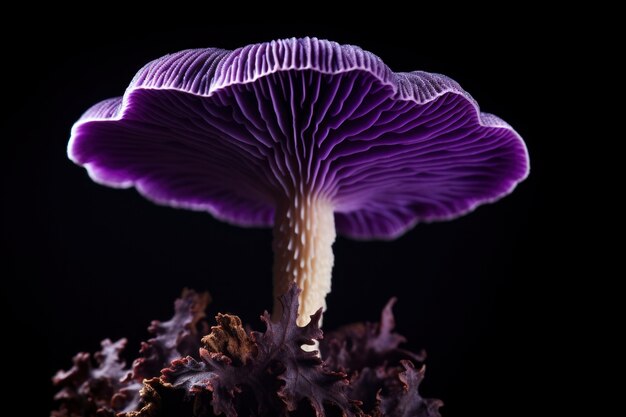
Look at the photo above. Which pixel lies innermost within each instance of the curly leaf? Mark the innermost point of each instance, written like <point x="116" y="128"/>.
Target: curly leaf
<point x="263" y="373"/>
<point x="404" y="400"/>
<point x="179" y="336"/>
<point x="360" y="345"/>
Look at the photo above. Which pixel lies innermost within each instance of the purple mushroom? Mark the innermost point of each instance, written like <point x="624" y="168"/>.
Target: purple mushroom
<point x="306" y="135"/>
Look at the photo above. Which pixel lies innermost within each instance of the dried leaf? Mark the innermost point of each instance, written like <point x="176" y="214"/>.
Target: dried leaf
<point x="230" y="338"/>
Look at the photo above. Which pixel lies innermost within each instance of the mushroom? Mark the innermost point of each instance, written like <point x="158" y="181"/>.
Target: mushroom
<point x="306" y="135"/>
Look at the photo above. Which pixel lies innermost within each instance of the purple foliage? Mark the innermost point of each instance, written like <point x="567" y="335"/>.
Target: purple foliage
<point x="179" y="336"/>
<point x="110" y="387"/>
<point x="90" y="389"/>
<point x="238" y="372"/>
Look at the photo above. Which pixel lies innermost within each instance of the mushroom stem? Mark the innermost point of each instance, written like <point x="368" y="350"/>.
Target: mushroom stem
<point x="304" y="232"/>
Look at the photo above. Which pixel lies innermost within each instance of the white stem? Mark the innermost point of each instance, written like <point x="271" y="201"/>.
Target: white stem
<point x="304" y="232"/>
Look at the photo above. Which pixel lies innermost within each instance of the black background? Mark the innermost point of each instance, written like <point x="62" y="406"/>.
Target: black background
<point x="85" y="262"/>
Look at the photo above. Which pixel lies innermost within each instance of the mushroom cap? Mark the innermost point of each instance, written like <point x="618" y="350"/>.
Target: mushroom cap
<point x="236" y="132"/>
